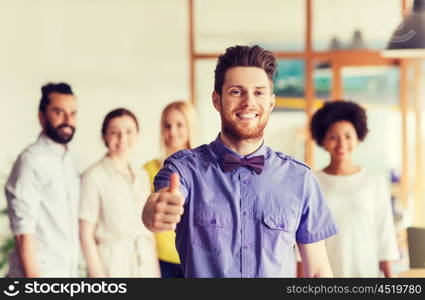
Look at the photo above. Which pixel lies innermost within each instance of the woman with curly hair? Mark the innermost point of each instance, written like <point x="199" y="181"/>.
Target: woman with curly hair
<point x="358" y="198"/>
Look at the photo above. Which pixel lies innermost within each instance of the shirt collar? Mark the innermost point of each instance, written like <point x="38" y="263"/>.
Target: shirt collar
<point x="110" y="166"/>
<point x="220" y="149"/>
<point x="54" y="147"/>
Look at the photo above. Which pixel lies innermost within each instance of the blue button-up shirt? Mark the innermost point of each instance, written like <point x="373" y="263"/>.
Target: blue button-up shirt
<point x="243" y="224"/>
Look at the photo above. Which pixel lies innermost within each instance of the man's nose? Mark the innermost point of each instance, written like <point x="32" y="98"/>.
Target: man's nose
<point x="249" y="99"/>
<point x="69" y="119"/>
<point x="65" y="119"/>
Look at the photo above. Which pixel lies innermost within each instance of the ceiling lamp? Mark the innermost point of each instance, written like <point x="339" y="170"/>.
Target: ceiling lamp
<point x="408" y="40"/>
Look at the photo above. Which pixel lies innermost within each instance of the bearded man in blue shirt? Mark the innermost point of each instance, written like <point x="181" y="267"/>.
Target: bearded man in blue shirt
<point x="237" y="206"/>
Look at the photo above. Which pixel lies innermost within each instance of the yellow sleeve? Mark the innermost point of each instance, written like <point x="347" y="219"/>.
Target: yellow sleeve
<point x="152" y="167"/>
<point x="165" y="241"/>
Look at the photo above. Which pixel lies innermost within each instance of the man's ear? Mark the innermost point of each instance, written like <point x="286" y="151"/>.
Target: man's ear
<point x="272" y="102"/>
<point x="42" y="119"/>
<point x="216" y="99"/>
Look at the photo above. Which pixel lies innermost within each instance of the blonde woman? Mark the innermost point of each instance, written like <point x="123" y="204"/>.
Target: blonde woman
<point x="114" y="241"/>
<point x="177" y="133"/>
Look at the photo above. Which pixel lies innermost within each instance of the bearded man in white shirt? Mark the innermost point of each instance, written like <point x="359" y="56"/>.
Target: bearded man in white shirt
<point x="42" y="193"/>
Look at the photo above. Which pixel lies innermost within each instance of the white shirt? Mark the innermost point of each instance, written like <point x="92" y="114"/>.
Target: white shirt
<point x="42" y="195"/>
<point x="114" y="203"/>
<point x="361" y="206"/>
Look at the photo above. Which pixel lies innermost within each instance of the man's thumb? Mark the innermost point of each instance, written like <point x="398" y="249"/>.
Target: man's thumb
<point x="174" y="183"/>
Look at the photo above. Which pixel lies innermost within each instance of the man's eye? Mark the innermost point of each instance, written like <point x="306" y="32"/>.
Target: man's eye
<point x="236" y="92"/>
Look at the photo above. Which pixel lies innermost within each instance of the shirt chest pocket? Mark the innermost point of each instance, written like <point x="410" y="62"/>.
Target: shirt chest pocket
<point x="212" y="229"/>
<point x="278" y="233"/>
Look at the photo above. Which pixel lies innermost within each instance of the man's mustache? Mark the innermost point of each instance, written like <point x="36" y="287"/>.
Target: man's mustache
<point x="65" y="126"/>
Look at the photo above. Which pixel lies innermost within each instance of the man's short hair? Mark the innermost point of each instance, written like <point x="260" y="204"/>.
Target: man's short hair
<point x="46" y="90"/>
<point x="244" y="56"/>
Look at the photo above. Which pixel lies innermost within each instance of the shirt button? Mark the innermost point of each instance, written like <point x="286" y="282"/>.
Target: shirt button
<point x="245" y="213"/>
<point x="213" y="222"/>
<point x="245" y="181"/>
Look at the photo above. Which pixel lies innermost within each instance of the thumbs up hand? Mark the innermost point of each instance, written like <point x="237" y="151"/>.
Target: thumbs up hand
<point x="174" y="183"/>
<point x="163" y="209"/>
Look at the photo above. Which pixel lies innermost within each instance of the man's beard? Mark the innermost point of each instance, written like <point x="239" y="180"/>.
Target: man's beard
<point x="55" y="134"/>
<point x="237" y="132"/>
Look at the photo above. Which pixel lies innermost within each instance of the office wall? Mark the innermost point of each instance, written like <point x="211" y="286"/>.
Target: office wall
<point x="113" y="53"/>
<point x="126" y="53"/>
